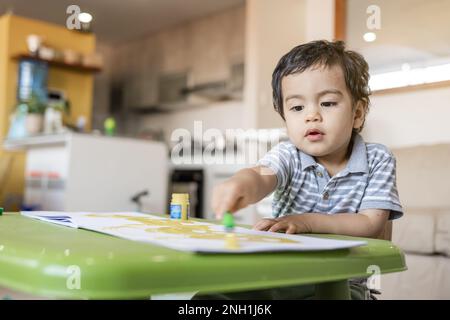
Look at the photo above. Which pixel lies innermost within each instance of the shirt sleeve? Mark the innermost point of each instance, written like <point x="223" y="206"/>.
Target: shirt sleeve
<point x="381" y="191"/>
<point x="278" y="160"/>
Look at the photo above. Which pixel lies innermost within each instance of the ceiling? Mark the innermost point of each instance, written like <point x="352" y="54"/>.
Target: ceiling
<point x="117" y="21"/>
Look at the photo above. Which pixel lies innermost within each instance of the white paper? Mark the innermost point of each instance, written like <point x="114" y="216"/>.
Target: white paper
<point x="190" y="235"/>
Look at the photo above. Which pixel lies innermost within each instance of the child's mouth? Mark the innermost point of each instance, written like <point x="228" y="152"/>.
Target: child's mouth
<point x="314" y="135"/>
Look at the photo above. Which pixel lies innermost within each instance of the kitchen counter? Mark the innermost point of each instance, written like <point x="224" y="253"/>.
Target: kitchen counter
<point x="77" y="172"/>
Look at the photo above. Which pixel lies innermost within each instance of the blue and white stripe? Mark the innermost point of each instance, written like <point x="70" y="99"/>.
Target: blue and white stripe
<point x="303" y="185"/>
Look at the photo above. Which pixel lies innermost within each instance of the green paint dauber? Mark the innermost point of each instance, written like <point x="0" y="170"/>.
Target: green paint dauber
<point x="228" y="221"/>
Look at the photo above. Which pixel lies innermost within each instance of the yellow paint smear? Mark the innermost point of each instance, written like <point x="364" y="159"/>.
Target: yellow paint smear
<point x="186" y="228"/>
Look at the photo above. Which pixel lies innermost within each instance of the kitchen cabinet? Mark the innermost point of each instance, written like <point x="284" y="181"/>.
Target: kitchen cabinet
<point x="139" y="79"/>
<point x="200" y="52"/>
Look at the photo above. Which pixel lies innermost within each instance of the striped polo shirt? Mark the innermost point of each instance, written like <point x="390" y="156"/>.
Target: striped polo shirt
<point x="303" y="185"/>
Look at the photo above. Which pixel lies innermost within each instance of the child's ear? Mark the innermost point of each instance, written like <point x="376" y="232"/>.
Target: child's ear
<point x="358" y="115"/>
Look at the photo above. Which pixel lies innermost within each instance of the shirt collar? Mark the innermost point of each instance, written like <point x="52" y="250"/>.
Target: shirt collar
<point x="307" y="160"/>
<point x="358" y="158"/>
<point x="356" y="163"/>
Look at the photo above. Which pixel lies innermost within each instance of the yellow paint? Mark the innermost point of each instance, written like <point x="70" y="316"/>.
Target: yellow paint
<point x="231" y="241"/>
<point x="189" y="229"/>
<point x="78" y="86"/>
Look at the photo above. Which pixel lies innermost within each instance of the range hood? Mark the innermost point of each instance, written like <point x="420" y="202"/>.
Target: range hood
<point x="229" y="89"/>
<point x="174" y="94"/>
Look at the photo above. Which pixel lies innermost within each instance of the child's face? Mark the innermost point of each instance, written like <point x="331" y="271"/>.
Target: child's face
<point x="318" y="99"/>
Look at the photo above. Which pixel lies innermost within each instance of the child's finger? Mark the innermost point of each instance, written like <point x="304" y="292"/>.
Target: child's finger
<point x="227" y="204"/>
<point x="291" y="229"/>
<point x="258" y="226"/>
<point x="239" y="204"/>
<point x="279" y="226"/>
<point x="264" y="224"/>
<point x="220" y="211"/>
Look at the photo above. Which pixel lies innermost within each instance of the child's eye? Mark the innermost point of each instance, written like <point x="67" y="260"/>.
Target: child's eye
<point x="297" y="108"/>
<point x="328" y="104"/>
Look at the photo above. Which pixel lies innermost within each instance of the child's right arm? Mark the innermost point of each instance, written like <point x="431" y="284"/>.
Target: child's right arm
<point x="246" y="187"/>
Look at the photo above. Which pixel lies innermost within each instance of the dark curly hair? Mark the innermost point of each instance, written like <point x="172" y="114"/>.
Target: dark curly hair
<point x="324" y="53"/>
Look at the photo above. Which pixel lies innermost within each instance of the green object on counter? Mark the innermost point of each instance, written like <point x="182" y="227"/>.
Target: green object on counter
<point x="49" y="260"/>
<point x="1" y="211"/>
<point x="228" y="221"/>
<point x="110" y="126"/>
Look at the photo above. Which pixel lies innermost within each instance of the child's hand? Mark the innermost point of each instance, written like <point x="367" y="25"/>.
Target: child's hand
<point x="230" y="195"/>
<point x="247" y="186"/>
<point x="291" y="224"/>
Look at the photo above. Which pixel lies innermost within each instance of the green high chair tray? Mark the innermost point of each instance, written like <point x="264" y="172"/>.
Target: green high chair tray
<point x="53" y="261"/>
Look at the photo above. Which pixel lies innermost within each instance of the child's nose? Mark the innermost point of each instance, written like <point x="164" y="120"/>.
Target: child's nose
<point x="313" y="116"/>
